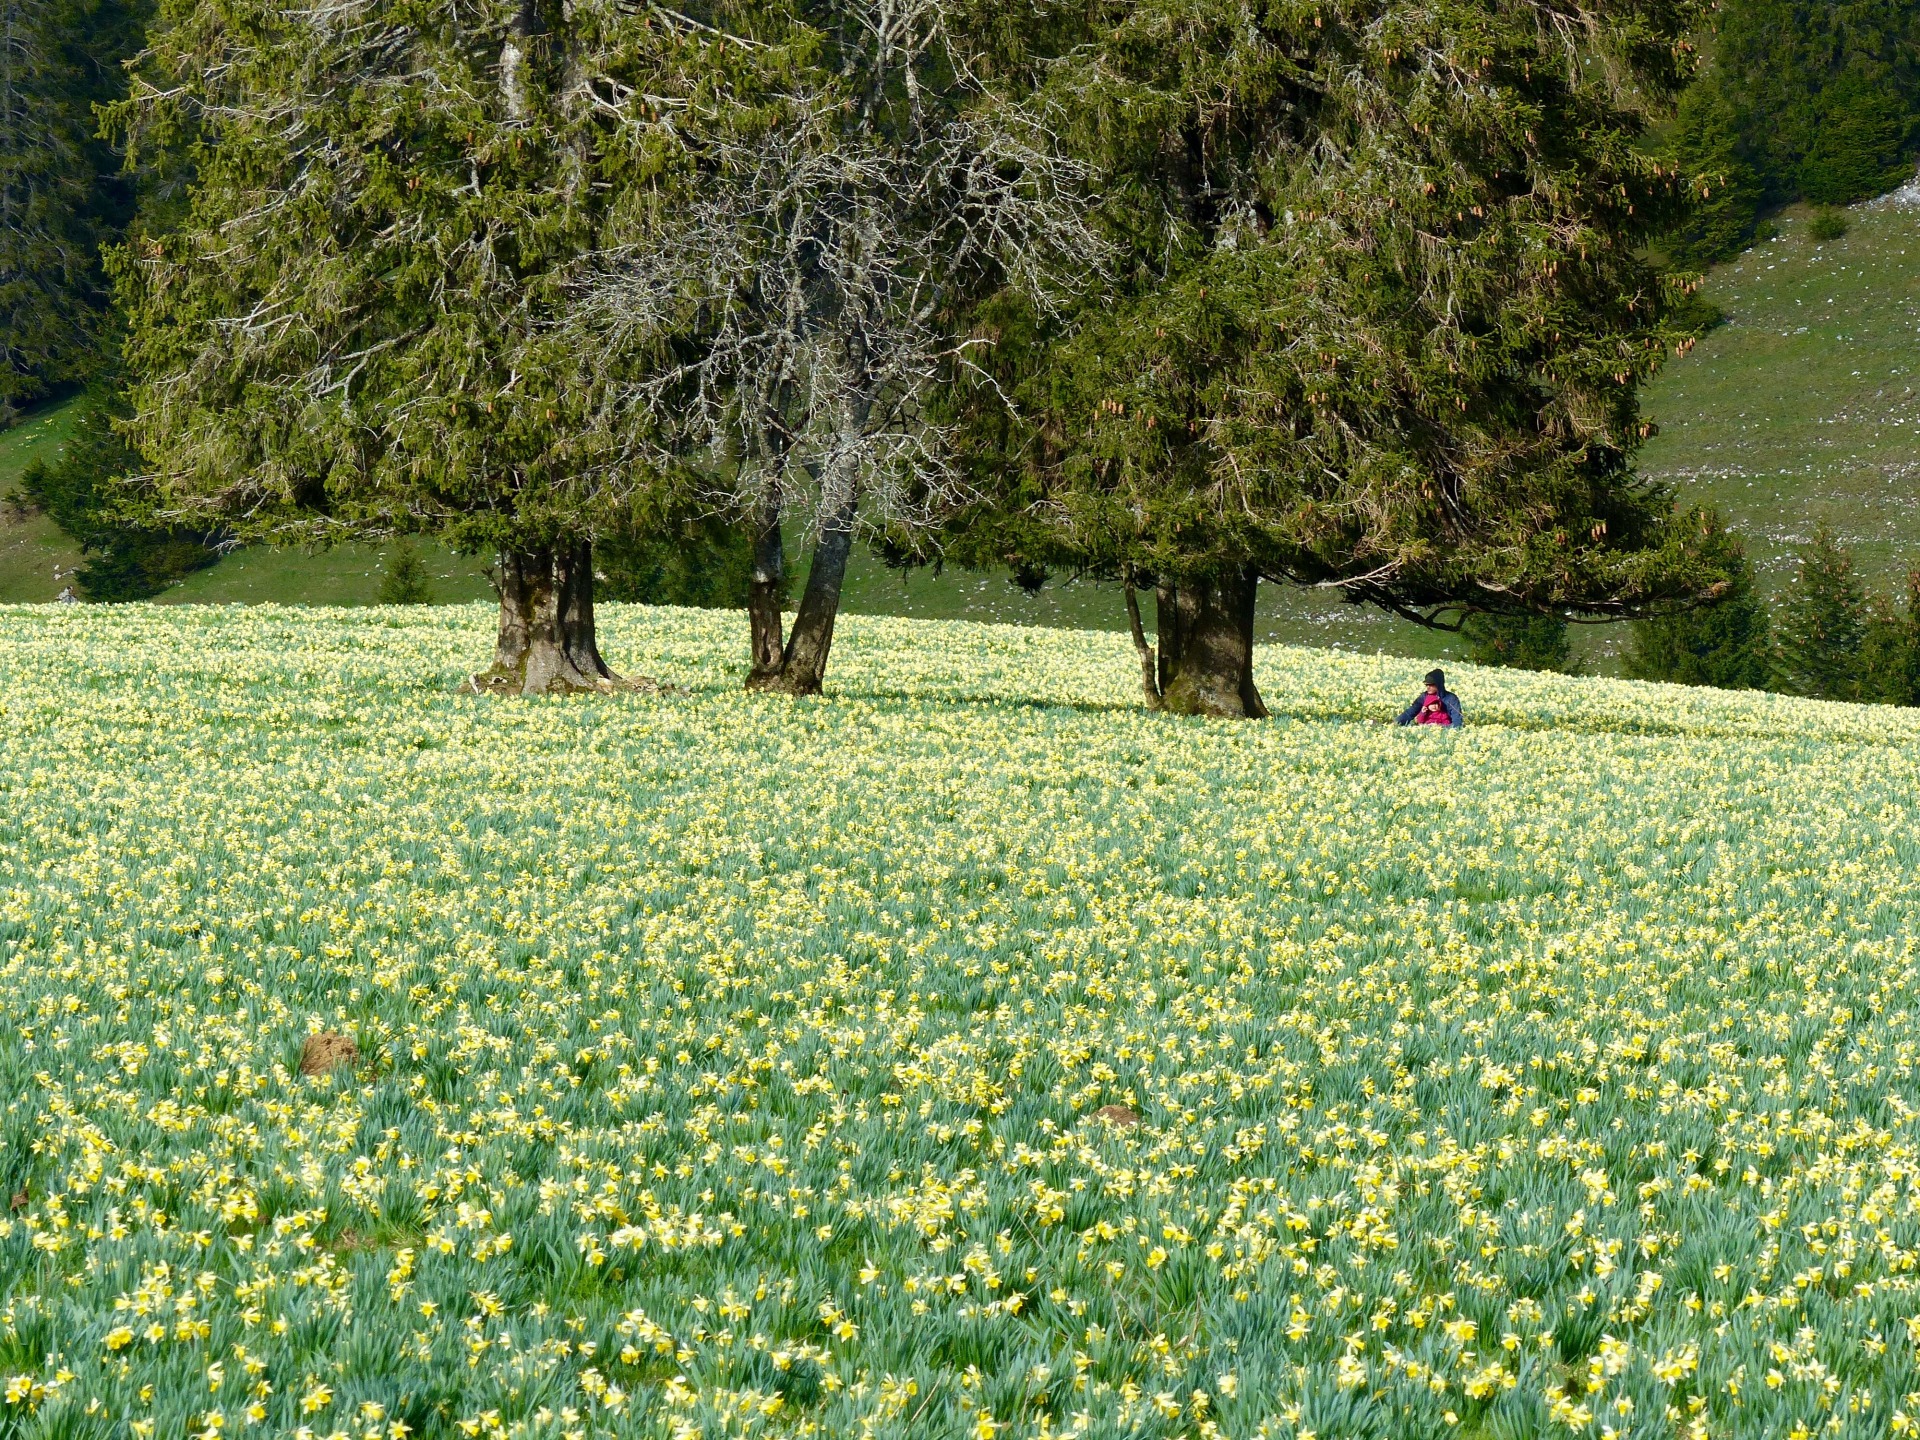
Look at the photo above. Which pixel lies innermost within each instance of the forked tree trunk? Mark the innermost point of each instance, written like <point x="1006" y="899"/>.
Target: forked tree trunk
<point x="546" y="642"/>
<point x="803" y="662"/>
<point x="763" y="595"/>
<point x="1205" y="661"/>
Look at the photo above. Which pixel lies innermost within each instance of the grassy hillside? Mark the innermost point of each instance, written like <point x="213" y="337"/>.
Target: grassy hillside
<point x="1803" y="408"/>
<point x="37" y="561"/>
<point x="968" y="1053"/>
<point x="344" y="575"/>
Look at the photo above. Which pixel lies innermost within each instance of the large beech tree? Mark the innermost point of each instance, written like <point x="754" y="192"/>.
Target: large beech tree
<point x="1382" y="325"/>
<point x="354" y="329"/>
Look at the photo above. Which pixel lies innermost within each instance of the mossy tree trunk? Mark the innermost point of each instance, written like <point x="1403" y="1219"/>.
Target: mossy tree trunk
<point x="546" y="642"/>
<point x="1204" y="664"/>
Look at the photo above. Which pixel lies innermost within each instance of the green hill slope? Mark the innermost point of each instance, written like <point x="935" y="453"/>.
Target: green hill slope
<point x="37" y="561"/>
<point x="1805" y="407"/>
<point x="969" y="1052"/>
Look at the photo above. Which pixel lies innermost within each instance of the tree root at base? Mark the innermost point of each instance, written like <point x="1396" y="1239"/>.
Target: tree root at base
<point x="500" y="682"/>
<point x="783" y="682"/>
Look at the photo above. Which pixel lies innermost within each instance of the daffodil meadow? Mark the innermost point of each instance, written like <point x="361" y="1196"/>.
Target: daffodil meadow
<point x="735" y="1066"/>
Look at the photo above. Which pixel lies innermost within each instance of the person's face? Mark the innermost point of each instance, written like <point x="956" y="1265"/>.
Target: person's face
<point x="1433" y="689"/>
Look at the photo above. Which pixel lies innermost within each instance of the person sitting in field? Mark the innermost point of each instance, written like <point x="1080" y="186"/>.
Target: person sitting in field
<point x="1436" y="705"/>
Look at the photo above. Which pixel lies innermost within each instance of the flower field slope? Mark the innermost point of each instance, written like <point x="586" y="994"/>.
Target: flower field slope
<point x="730" y="1065"/>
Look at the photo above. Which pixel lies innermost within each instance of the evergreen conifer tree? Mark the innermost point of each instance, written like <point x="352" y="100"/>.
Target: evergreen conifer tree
<point x="1521" y="642"/>
<point x="406" y="581"/>
<point x="1382" y="315"/>
<point x="1707" y="143"/>
<point x="1823" y="624"/>
<point x="1726" y="643"/>
<point x="1827" y="225"/>
<point x="354" y="327"/>
<point x="1802" y="98"/>
<point x="1890" y="649"/>
<point x="1860" y="149"/>
<point x="47" y="263"/>
<point x="81" y="492"/>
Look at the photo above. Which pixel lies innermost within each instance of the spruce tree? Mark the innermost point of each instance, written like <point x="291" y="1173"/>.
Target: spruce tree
<point x="1860" y="149"/>
<point x="1706" y="143"/>
<point x="46" y="254"/>
<point x="1890" y="649"/>
<point x="354" y="327"/>
<point x="406" y="581"/>
<point x="1801" y="98"/>
<point x="1521" y="642"/>
<point x="1823" y="623"/>
<point x="1726" y="642"/>
<point x="81" y="491"/>
<point x="1382" y="313"/>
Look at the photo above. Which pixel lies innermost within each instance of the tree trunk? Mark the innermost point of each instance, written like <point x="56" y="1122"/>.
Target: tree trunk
<point x="763" y="596"/>
<point x="1206" y="647"/>
<point x="546" y="643"/>
<point x="1149" y="662"/>
<point x="1166" y="611"/>
<point x="803" y="664"/>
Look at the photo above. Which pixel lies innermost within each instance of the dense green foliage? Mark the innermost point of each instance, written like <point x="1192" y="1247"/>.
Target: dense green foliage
<point x="1832" y="638"/>
<point x="705" y="562"/>
<point x="1727" y="203"/>
<point x="1520" y="642"/>
<point x="349" y="329"/>
<point x="1828" y="224"/>
<point x="1862" y="146"/>
<point x="1838" y="641"/>
<point x="1823" y="623"/>
<point x="126" y="559"/>
<point x="1727" y="643"/>
<point x="1381" y="312"/>
<point x="1800" y="99"/>
<point x="1890" y="649"/>
<point x="60" y="189"/>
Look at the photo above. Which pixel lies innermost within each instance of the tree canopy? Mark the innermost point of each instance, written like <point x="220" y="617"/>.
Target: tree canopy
<point x="1382" y="318"/>
<point x="60" y="192"/>
<point x="806" y="293"/>
<point x="526" y="275"/>
<point x="354" y="329"/>
<point x="1800" y="99"/>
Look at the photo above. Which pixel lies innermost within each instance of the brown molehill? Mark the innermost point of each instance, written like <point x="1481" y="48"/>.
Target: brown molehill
<point x="324" y="1051"/>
